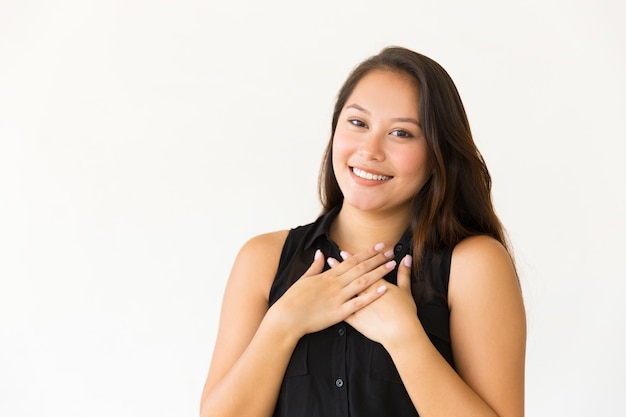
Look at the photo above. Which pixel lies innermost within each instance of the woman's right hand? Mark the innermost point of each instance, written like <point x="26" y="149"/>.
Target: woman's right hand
<point x="320" y="299"/>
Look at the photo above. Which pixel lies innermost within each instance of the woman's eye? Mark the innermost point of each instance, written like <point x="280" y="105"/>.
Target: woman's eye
<point x="402" y="133"/>
<point x="357" y="122"/>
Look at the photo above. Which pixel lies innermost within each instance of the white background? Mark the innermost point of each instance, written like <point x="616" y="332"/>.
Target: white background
<point x="143" y="142"/>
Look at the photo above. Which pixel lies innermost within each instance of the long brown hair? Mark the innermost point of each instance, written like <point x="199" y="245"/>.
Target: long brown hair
<point x="455" y="202"/>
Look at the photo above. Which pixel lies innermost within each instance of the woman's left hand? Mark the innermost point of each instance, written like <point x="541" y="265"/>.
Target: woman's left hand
<point x="392" y="316"/>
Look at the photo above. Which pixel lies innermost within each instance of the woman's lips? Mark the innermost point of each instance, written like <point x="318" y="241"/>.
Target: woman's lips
<point x="369" y="176"/>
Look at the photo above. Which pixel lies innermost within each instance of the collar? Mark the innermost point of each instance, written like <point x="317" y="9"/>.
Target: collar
<point x="321" y="228"/>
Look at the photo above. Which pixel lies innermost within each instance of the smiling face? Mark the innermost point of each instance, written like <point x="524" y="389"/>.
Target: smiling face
<point x="380" y="155"/>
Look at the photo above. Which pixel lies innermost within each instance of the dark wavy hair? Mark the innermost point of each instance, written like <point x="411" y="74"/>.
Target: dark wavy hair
<point x="455" y="202"/>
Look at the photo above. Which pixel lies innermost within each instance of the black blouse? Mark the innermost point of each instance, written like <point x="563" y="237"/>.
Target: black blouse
<point x="338" y="371"/>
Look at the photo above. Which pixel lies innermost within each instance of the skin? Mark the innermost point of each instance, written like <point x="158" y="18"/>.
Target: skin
<point x="487" y="322"/>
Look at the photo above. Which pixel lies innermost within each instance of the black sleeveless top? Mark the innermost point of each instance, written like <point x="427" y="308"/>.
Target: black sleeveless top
<point x="338" y="371"/>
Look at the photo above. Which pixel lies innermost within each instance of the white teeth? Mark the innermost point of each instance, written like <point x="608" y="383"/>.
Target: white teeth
<point x="368" y="175"/>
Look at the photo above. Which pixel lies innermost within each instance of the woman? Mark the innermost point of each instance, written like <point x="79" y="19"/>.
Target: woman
<point x="402" y="297"/>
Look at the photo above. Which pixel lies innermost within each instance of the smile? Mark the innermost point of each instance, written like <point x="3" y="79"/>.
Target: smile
<point x="369" y="176"/>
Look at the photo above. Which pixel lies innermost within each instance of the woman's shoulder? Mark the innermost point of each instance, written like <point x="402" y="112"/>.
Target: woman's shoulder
<point x="264" y="246"/>
<point x="478" y="249"/>
<point x="256" y="264"/>
<point x="478" y="263"/>
<point x="271" y="244"/>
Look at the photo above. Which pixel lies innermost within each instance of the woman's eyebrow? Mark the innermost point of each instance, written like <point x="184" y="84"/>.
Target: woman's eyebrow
<point x="356" y="106"/>
<point x="407" y="120"/>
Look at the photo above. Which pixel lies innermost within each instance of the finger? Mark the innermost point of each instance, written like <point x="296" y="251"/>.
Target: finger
<point x="362" y="256"/>
<point x="365" y="298"/>
<point x="317" y="266"/>
<point x="362" y="281"/>
<point x="358" y="265"/>
<point x="404" y="273"/>
<point x="352" y="260"/>
<point x="333" y="262"/>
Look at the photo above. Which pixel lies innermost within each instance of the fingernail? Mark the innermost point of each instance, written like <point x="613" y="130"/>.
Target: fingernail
<point x="390" y="264"/>
<point x="408" y="261"/>
<point x="344" y="255"/>
<point x="381" y="289"/>
<point x="318" y="254"/>
<point x="379" y="246"/>
<point x="389" y="253"/>
<point x="331" y="262"/>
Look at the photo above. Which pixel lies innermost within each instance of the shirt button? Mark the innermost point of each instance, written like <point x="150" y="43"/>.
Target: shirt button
<point x="339" y="382"/>
<point x="341" y="331"/>
<point x="398" y="248"/>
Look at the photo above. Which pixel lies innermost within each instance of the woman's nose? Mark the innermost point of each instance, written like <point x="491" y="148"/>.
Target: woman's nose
<point x="372" y="147"/>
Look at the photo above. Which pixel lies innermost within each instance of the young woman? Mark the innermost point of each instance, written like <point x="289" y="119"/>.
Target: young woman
<point x="401" y="298"/>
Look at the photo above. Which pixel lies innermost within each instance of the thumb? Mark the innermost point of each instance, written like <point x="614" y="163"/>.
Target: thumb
<point x="404" y="273"/>
<point x="317" y="266"/>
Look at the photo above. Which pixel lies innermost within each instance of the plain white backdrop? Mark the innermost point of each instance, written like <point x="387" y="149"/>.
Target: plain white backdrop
<point x="143" y="142"/>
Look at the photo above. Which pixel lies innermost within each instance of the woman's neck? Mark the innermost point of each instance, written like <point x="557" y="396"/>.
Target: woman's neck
<point x="354" y="230"/>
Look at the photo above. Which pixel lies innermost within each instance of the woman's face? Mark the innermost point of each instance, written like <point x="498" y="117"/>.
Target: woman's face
<point x="380" y="155"/>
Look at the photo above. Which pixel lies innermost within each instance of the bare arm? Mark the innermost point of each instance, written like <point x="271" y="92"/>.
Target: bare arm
<point x="488" y="332"/>
<point x="253" y="364"/>
<point x="487" y="328"/>
<point x="254" y="343"/>
<point x="488" y="324"/>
